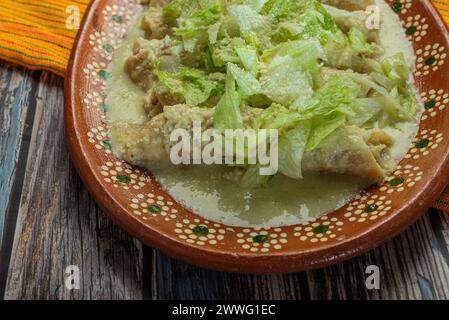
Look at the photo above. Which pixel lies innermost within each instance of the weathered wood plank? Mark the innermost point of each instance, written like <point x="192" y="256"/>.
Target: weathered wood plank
<point x="176" y="280"/>
<point x="15" y="83"/>
<point x="59" y="224"/>
<point x="414" y="265"/>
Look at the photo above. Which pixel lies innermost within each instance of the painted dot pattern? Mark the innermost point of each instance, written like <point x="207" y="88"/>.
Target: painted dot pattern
<point x="406" y="176"/>
<point x="431" y="58"/>
<point x="423" y="144"/>
<point x="260" y="240"/>
<point x="149" y="205"/>
<point x="435" y="101"/>
<point x="99" y="138"/>
<point x="416" y="27"/>
<point x="201" y="232"/>
<point x="401" y="6"/>
<point x="322" y="229"/>
<point x="368" y="207"/>
<point x="121" y="174"/>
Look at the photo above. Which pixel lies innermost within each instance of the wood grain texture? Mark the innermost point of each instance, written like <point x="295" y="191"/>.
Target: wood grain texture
<point x="414" y="265"/>
<point x="176" y="280"/>
<point x="58" y="224"/>
<point x="408" y="263"/>
<point x="14" y="83"/>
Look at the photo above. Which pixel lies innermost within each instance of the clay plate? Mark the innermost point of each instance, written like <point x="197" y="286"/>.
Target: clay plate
<point x="135" y="201"/>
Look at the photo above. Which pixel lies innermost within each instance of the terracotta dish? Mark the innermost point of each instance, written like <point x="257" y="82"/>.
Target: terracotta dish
<point x="136" y="202"/>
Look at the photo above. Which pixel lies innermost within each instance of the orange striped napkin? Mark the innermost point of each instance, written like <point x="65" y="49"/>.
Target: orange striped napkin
<point x="39" y="34"/>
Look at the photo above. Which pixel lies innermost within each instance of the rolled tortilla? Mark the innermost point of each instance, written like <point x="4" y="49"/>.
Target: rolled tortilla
<point x="344" y="152"/>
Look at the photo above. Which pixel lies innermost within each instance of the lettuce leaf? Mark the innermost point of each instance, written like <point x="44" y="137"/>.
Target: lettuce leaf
<point x="322" y="127"/>
<point x="396" y="68"/>
<point x="359" y="42"/>
<point x="249" y="60"/>
<point x="288" y="69"/>
<point x="224" y="51"/>
<point x="195" y="28"/>
<point x="339" y="93"/>
<point x="227" y="112"/>
<point x="247" y="83"/>
<point x="291" y="150"/>
<point x="193" y="85"/>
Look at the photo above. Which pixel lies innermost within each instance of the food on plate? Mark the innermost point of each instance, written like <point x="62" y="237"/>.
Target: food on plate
<point x="336" y="87"/>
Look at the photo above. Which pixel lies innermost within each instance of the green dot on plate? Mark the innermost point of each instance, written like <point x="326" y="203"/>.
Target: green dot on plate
<point x="396" y="182"/>
<point x="107" y="143"/>
<point x="123" y="179"/>
<point x="260" y="238"/>
<point x="108" y="48"/>
<point x="201" y="230"/>
<point x="411" y="30"/>
<point x="103" y="74"/>
<point x="371" y="208"/>
<point x="117" y="18"/>
<point x="320" y="229"/>
<point x="153" y="209"/>
<point x="397" y="7"/>
<point x="430" y="61"/>
<point x="430" y="104"/>
<point x="422" y="144"/>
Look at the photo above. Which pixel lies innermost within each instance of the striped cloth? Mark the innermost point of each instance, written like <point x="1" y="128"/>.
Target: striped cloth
<point x="39" y="34"/>
<point x="34" y="33"/>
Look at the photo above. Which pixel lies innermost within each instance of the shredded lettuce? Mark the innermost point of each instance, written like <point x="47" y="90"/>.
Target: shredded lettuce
<point x="224" y="51"/>
<point x="248" y="84"/>
<point x="359" y="42"/>
<point x="227" y="112"/>
<point x="288" y="69"/>
<point x="248" y="20"/>
<point x="196" y="27"/>
<point x="194" y="85"/>
<point x="249" y="60"/>
<point x="322" y="127"/>
<point x="311" y="68"/>
<point x="396" y="68"/>
<point x="339" y="93"/>
<point x="291" y="150"/>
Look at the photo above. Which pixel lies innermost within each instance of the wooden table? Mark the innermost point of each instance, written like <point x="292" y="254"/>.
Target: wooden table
<point x="48" y="221"/>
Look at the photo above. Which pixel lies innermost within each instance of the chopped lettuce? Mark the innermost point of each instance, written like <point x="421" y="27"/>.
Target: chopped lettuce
<point x="359" y="42"/>
<point x="227" y="112"/>
<point x="277" y="117"/>
<point x="339" y="93"/>
<point x="291" y="150"/>
<point x="196" y="27"/>
<point x="194" y="85"/>
<point x="396" y="68"/>
<point x="322" y="127"/>
<point x="248" y="20"/>
<point x="311" y="68"/>
<point x="288" y="69"/>
<point x="248" y="84"/>
<point x="248" y="58"/>
<point x="224" y="51"/>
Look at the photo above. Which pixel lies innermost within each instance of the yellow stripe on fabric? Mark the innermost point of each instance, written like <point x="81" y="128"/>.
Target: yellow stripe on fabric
<point x="34" y="34"/>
